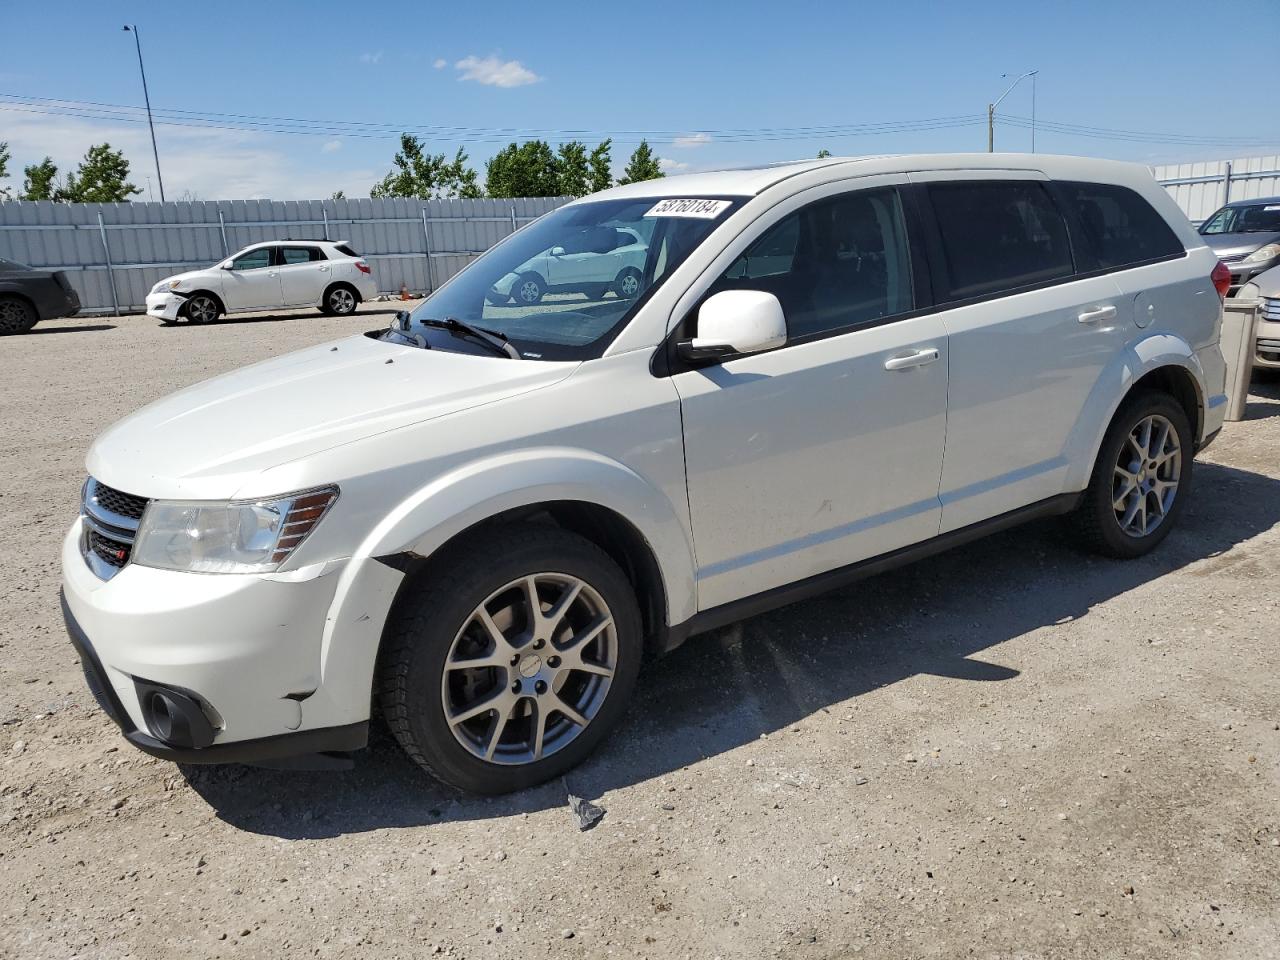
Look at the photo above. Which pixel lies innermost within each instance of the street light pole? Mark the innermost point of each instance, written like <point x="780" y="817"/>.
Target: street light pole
<point x="155" y="151"/>
<point x="991" y="111"/>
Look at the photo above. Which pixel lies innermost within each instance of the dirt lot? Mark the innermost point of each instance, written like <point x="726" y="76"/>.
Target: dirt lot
<point x="1009" y="751"/>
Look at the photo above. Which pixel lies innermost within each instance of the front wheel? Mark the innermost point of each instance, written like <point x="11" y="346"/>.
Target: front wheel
<point x="529" y="289"/>
<point x="201" y="309"/>
<point x="1141" y="478"/>
<point x="627" y="283"/>
<point x="508" y="666"/>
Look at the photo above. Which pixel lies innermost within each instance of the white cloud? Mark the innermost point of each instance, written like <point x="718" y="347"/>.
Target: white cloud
<point x="494" y="72"/>
<point x="331" y="146"/>
<point x="692" y="140"/>
<point x="440" y="63"/>
<point x="672" y="166"/>
<point x="211" y="164"/>
<point x="374" y="58"/>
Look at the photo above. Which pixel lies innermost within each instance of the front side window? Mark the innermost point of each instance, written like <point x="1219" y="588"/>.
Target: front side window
<point x="564" y="286"/>
<point x="1254" y="218"/>
<point x="1119" y="227"/>
<point x="253" y="260"/>
<point x="998" y="236"/>
<point x="833" y="265"/>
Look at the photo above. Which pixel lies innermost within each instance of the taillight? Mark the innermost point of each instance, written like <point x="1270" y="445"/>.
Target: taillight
<point x="364" y="267"/>
<point x="1221" y="278"/>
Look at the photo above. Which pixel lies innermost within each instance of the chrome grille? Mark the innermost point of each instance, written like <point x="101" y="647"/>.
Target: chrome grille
<point x="1271" y="309"/>
<point x="111" y="519"/>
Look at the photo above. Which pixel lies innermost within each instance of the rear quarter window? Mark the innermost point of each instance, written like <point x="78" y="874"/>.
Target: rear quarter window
<point x="1116" y="227"/>
<point x="345" y="248"/>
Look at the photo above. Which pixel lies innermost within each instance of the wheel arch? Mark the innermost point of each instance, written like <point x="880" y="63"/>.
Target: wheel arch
<point x="334" y="284"/>
<point x="1163" y="362"/>
<point x="596" y="497"/>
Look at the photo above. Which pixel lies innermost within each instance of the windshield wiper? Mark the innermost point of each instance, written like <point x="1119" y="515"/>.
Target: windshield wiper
<point x="491" y="338"/>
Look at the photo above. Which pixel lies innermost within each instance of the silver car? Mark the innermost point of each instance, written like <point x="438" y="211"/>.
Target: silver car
<point x="1266" y="287"/>
<point x="1245" y="234"/>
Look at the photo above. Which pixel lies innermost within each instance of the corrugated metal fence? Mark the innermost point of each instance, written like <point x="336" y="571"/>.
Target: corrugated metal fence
<point x="115" y="252"/>
<point x="1201" y="188"/>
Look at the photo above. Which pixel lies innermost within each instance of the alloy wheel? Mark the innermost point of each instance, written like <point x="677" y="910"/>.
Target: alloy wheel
<point x="630" y="284"/>
<point x="342" y="301"/>
<point x="530" y="669"/>
<point x="13" y="316"/>
<point x="201" y="310"/>
<point x="1146" y="476"/>
<point x="529" y="291"/>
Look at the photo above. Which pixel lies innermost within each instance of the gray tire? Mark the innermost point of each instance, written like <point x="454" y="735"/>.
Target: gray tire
<point x="201" y="308"/>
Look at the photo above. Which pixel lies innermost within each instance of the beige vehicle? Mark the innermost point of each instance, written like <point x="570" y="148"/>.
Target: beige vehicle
<point x="1266" y="287"/>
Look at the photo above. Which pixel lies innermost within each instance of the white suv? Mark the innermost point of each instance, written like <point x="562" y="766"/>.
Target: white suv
<point x="482" y="520"/>
<point x="268" y="276"/>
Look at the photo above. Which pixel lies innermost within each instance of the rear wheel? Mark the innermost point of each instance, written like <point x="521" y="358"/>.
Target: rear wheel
<point x="1141" y="479"/>
<point x="201" y="308"/>
<point x="340" y="301"/>
<point x="507" y="667"/>
<point x="16" y="316"/>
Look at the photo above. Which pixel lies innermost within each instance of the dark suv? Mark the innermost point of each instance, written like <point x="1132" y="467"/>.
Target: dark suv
<point x="28" y="296"/>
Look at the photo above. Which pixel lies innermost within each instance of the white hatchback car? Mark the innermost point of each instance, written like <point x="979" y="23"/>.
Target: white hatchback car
<point x="483" y="519"/>
<point x="593" y="261"/>
<point x="267" y="276"/>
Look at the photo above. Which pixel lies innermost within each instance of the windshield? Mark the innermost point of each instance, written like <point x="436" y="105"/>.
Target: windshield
<point x="1259" y="218"/>
<point x="564" y="286"/>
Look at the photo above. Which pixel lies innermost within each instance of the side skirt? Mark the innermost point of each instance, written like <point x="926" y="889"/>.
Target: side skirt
<point x="842" y="576"/>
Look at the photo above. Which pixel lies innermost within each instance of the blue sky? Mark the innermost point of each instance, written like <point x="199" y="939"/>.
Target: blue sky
<point x="688" y="70"/>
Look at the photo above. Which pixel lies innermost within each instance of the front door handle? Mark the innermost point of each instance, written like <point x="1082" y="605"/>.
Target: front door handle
<point x="917" y="359"/>
<point x="1102" y="313"/>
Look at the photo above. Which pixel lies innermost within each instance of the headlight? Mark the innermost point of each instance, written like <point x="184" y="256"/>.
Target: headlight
<point x="239" y="537"/>
<point x="174" y="284"/>
<point x="1269" y="252"/>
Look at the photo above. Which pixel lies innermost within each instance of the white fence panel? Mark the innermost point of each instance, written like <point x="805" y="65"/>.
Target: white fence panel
<point x="1201" y="188"/>
<point x="115" y="252"/>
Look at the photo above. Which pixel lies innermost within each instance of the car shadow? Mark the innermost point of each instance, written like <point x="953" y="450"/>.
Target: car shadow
<point x="304" y="314"/>
<point x="1266" y="386"/>
<point x="81" y="328"/>
<point x="727" y="688"/>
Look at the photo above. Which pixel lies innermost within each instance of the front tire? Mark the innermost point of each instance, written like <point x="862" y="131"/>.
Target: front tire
<point x="1141" y="479"/>
<point x="507" y="666"/>
<point x="529" y="289"/>
<point x="201" y="309"/>
<point x="16" y="316"/>
<point x="627" y="284"/>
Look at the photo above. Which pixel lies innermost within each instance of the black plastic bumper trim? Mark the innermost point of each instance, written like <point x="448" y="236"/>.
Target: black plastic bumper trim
<point x="353" y="736"/>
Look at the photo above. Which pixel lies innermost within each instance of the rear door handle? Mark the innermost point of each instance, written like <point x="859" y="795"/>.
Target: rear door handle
<point x="917" y="359"/>
<point x="1102" y="313"/>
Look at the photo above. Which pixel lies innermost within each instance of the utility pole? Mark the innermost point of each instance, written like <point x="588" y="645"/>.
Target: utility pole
<point x="991" y="111"/>
<point x="155" y="152"/>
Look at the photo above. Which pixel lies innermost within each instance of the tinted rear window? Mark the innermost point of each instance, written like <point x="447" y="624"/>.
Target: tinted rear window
<point x="346" y="248"/>
<point x="998" y="236"/>
<point x="1118" y="227"/>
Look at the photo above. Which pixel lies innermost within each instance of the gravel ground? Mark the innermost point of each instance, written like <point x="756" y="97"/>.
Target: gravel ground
<point x="1009" y="751"/>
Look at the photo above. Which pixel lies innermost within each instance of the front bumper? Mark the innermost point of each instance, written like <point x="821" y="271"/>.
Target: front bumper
<point x="166" y="306"/>
<point x="245" y="648"/>
<point x="1267" y="346"/>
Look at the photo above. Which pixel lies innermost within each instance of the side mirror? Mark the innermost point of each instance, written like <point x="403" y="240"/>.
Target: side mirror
<point x="401" y="320"/>
<point x="736" y="321"/>
<point x="225" y="265"/>
<point x="556" y="251"/>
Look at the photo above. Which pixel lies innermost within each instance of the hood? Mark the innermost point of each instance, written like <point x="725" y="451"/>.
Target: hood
<point x="188" y="275"/>
<point x="1236" y="245"/>
<point x="1268" y="284"/>
<point x="205" y="442"/>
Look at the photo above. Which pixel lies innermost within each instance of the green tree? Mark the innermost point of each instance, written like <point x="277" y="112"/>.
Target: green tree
<point x="528" y="169"/>
<point x="573" y="170"/>
<point x="40" y="181"/>
<point x="601" y="167"/>
<point x="4" y="168"/>
<point x="338" y="195"/>
<point x="427" y="176"/>
<point x="643" y="165"/>
<point x="102" y="177"/>
<point x="824" y="153"/>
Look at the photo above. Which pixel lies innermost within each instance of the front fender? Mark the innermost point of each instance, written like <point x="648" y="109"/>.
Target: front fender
<point x="461" y="498"/>
<point x="1113" y="385"/>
